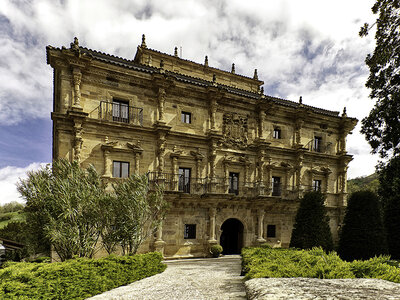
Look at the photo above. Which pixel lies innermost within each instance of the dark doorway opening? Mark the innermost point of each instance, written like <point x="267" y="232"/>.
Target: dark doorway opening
<point x="232" y="236"/>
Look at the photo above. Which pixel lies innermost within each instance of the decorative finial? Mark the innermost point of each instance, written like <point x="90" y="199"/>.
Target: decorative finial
<point x="344" y="114"/>
<point x="262" y="90"/>
<point x="143" y="41"/>
<point x="301" y="100"/>
<point x="176" y="52"/>
<point x="75" y="44"/>
<point x="233" y="69"/>
<point x="255" y="74"/>
<point x="206" y="61"/>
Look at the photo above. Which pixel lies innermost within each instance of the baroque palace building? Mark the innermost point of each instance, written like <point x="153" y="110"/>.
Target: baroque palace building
<point x="234" y="162"/>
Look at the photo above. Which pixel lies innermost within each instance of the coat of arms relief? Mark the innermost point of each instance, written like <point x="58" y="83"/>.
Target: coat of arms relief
<point x="235" y="131"/>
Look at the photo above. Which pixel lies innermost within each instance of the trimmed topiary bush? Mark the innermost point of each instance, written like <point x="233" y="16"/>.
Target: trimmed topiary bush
<point x="311" y="228"/>
<point x="363" y="234"/>
<point x="216" y="250"/>
<point x="76" y="278"/>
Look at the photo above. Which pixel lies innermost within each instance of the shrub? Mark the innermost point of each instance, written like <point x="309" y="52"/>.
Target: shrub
<point x="362" y="235"/>
<point x="216" y="250"/>
<point x="315" y="263"/>
<point x="76" y="278"/>
<point x="311" y="228"/>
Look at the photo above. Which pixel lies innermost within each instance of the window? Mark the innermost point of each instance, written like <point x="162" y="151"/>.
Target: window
<point x="186" y="117"/>
<point x="277" y="133"/>
<point x="120" y="111"/>
<point x="120" y="169"/>
<point x="276" y="186"/>
<point x="184" y="180"/>
<point x="271" y="231"/>
<point x="190" y="231"/>
<point x="317" y="143"/>
<point x="316" y="185"/>
<point x="234" y="183"/>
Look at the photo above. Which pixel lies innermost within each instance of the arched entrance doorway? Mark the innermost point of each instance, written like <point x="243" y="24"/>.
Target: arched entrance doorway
<point x="232" y="236"/>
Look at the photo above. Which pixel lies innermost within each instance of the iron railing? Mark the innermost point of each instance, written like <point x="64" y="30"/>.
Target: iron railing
<point x="119" y="112"/>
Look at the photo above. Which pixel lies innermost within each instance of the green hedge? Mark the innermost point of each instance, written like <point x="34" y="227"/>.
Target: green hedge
<point x="264" y="262"/>
<point x="76" y="278"/>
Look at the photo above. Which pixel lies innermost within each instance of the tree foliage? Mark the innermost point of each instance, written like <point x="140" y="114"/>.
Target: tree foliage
<point x="70" y="208"/>
<point x="370" y="183"/>
<point x="363" y="234"/>
<point x="139" y="213"/>
<point x="389" y="191"/>
<point x="381" y="126"/>
<point x="311" y="228"/>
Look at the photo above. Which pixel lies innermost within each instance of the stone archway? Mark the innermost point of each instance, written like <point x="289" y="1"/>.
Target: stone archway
<point x="231" y="238"/>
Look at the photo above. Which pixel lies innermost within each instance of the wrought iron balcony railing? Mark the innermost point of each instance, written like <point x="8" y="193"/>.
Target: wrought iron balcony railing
<point x="316" y="145"/>
<point x="119" y="112"/>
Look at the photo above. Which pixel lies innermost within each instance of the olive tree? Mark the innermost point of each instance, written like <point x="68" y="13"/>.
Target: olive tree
<point x="62" y="206"/>
<point x="71" y="209"/>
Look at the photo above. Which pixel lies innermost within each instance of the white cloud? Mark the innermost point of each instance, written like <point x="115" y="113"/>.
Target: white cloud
<point x="309" y="47"/>
<point x="9" y="176"/>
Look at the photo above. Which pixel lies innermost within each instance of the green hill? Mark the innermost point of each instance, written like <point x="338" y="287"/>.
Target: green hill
<point x="369" y="182"/>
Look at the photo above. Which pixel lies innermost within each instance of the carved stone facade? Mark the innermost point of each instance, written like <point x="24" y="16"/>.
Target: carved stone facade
<point x="233" y="161"/>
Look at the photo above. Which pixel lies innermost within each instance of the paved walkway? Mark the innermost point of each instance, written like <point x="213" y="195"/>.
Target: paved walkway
<point x="188" y="279"/>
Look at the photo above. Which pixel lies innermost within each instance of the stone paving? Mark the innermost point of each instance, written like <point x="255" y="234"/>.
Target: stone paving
<point x="321" y="289"/>
<point x="188" y="279"/>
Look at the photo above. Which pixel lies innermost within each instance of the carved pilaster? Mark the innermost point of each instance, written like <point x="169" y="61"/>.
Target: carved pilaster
<point x="212" y="214"/>
<point x="159" y="244"/>
<point x="76" y="81"/>
<point x="107" y="164"/>
<point x="260" y="227"/>
<point x="160" y="152"/>
<point x="261" y="118"/>
<point x="297" y="133"/>
<point x="161" y="104"/>
<point x="78" y="140"/>
<point x="213" y="113"/>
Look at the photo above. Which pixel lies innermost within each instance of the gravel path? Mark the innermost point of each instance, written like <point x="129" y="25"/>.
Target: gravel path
<point x="188" y="279"/>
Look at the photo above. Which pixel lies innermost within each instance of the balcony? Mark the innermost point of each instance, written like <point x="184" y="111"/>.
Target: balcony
<point x="118" y="112"/>
<point x="201" y="186"/>
<point x="316" y="145"/>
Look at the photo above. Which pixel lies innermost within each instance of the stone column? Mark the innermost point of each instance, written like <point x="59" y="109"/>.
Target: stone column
<point x="246" y="174"/>
<point x="298" y="127"/>
<point x="161" y="104"/>
<point x="161" y="151"/>
<point x="76" y="78"/>
<point x="107" y="164"/>
<point x="213" y="112"/>
<point x="261" y="118"/>
<point x="226" y="172"/>
<point x="159" y="244"/>
<point x="175" y="173"/>
<point x="260" y="227"/>
<point x="326" y="188"/>
<point x="212" y="213"/>
<point x="137" y="162"/>
<point x="78" y="140"/>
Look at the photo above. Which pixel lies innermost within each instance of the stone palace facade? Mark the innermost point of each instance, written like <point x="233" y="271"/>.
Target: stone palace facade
<point x="233" y="161"/>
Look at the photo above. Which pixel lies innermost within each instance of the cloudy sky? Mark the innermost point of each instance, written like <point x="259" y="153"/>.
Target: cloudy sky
<point x="300" y="47"/>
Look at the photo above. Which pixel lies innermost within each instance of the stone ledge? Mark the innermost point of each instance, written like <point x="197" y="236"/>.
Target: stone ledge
<point x="312" y="288"/>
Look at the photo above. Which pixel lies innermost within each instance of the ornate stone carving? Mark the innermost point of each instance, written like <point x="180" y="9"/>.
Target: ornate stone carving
<point x="235" y="131"/>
